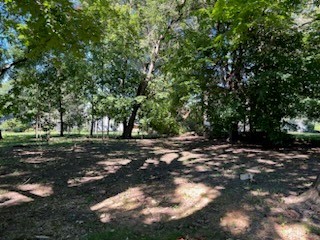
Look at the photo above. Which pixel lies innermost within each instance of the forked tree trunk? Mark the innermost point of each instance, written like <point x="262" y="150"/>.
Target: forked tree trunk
<point x="127" y="128"/>
<point x="149" y="70"/>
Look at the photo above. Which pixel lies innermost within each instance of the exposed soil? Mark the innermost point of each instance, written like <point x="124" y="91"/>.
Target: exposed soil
<point x="186" y="184"/>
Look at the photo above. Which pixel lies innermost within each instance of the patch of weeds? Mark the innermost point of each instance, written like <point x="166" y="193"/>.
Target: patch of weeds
<point x="255" y="200"/>
<point x="8" y="161"/>
<point x="125" y="234"/>
<point x="313" y="229"/>
<point x="90" y="199"/>
<point x="282" y="220"/>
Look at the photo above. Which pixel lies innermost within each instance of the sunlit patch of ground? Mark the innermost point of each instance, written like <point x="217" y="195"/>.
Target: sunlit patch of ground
<point x="9" y="199"/>
<point x="235" y="222"/>
<point x="37" y="189"/>
<point x="14" y="174"/>
<point x="169" y="157"/>
<point x="108" y="167"/>
<point x="150" y="162"/>
<point x="292" y="231"/>
<point x="187" y="199"/>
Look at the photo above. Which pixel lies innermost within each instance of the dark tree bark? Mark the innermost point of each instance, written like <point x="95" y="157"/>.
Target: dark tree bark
<point x="127" y="130"/>
<point x="7" y="67"/>
<point x="108" y="126"/>
<point x="1" y="135"/>
<point x="233" y="133"/>
<point x="61" y="111"/>
<point x="128" y="125"/>
<point x="92" y="128"/>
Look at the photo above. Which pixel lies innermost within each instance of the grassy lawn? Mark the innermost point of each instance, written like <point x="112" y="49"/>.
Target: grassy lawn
<point x="183" y="188"/>
<point x="306" y="136"/>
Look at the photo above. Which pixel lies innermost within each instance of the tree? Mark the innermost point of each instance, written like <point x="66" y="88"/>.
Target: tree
<point x="157" y="20"/>
<point x="244" y="57"/>
<point x="38" y="27"/>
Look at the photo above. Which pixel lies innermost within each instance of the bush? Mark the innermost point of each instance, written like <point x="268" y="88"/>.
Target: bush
<point x="14" y="125"/>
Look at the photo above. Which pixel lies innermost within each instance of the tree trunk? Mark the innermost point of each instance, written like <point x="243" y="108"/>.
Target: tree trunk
<point x="108" y="126"/>
<point x="102" y="128"/>
<point x="91" y="128"/>
<point x="61" y="118"/>
<point x="233" y="133"/>
<point x="37" y="126"/>
<point x="149" y="70"/>
<point x="1" y="135"/>
<point x="127" y="130"/>
<point x="96" y="127"/>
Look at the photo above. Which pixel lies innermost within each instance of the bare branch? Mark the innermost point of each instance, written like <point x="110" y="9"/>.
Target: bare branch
<point x="8" y="66"/>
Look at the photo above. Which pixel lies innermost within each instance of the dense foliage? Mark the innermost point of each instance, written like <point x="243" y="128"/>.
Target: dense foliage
<point x="165" y="65"/>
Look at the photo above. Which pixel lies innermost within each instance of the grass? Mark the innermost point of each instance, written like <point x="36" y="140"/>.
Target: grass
<point x="313" y="229"/>
<point x="28" y="138"/>
<point x="306" y="136"/>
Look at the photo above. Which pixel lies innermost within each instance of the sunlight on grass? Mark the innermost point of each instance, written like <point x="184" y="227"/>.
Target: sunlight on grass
<point x="9" y="199"/>
<point x="108" y="167"/>
<point x="291" y="231"/>
<point x="187" y="199"/>
<point x="235" y="222"/>
<point x="37" y="189"/>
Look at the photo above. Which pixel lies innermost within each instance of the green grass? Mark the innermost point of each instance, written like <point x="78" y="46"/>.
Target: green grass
<point x="306" y="136"/>
<point x="313" y="229"/>
<point x="125" y="234"/>
<point x="28" y="138"/>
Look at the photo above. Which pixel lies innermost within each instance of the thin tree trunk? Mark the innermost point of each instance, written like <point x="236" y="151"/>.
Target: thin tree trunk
<point x="125" y="133"/>
<point x="49" y="129"/>
<point x="233" y="132"/>
<point x="36" y="128"/>
<point x="92" y="128"/>
<point x="108" y="126"/>
<point x="102" y="128"/>
<point x="1" y="135"/>
<point x="61" y="118"/>
<point x="95" y="127"/>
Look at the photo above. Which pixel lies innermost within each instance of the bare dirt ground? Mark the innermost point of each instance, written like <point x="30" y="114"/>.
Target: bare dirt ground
<point x="188" y="185"/>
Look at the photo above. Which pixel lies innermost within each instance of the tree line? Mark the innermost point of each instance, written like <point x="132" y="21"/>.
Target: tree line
<point x="206" y="65"/>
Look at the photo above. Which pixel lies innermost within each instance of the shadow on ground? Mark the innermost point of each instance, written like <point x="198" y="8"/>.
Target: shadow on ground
<point x="187" y="185"/>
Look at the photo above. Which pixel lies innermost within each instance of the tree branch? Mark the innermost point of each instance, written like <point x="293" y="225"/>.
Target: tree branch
<point x="8" y="66"/>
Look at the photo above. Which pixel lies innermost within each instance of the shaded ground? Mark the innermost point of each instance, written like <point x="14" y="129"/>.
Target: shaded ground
<point x="186" y="185"/>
